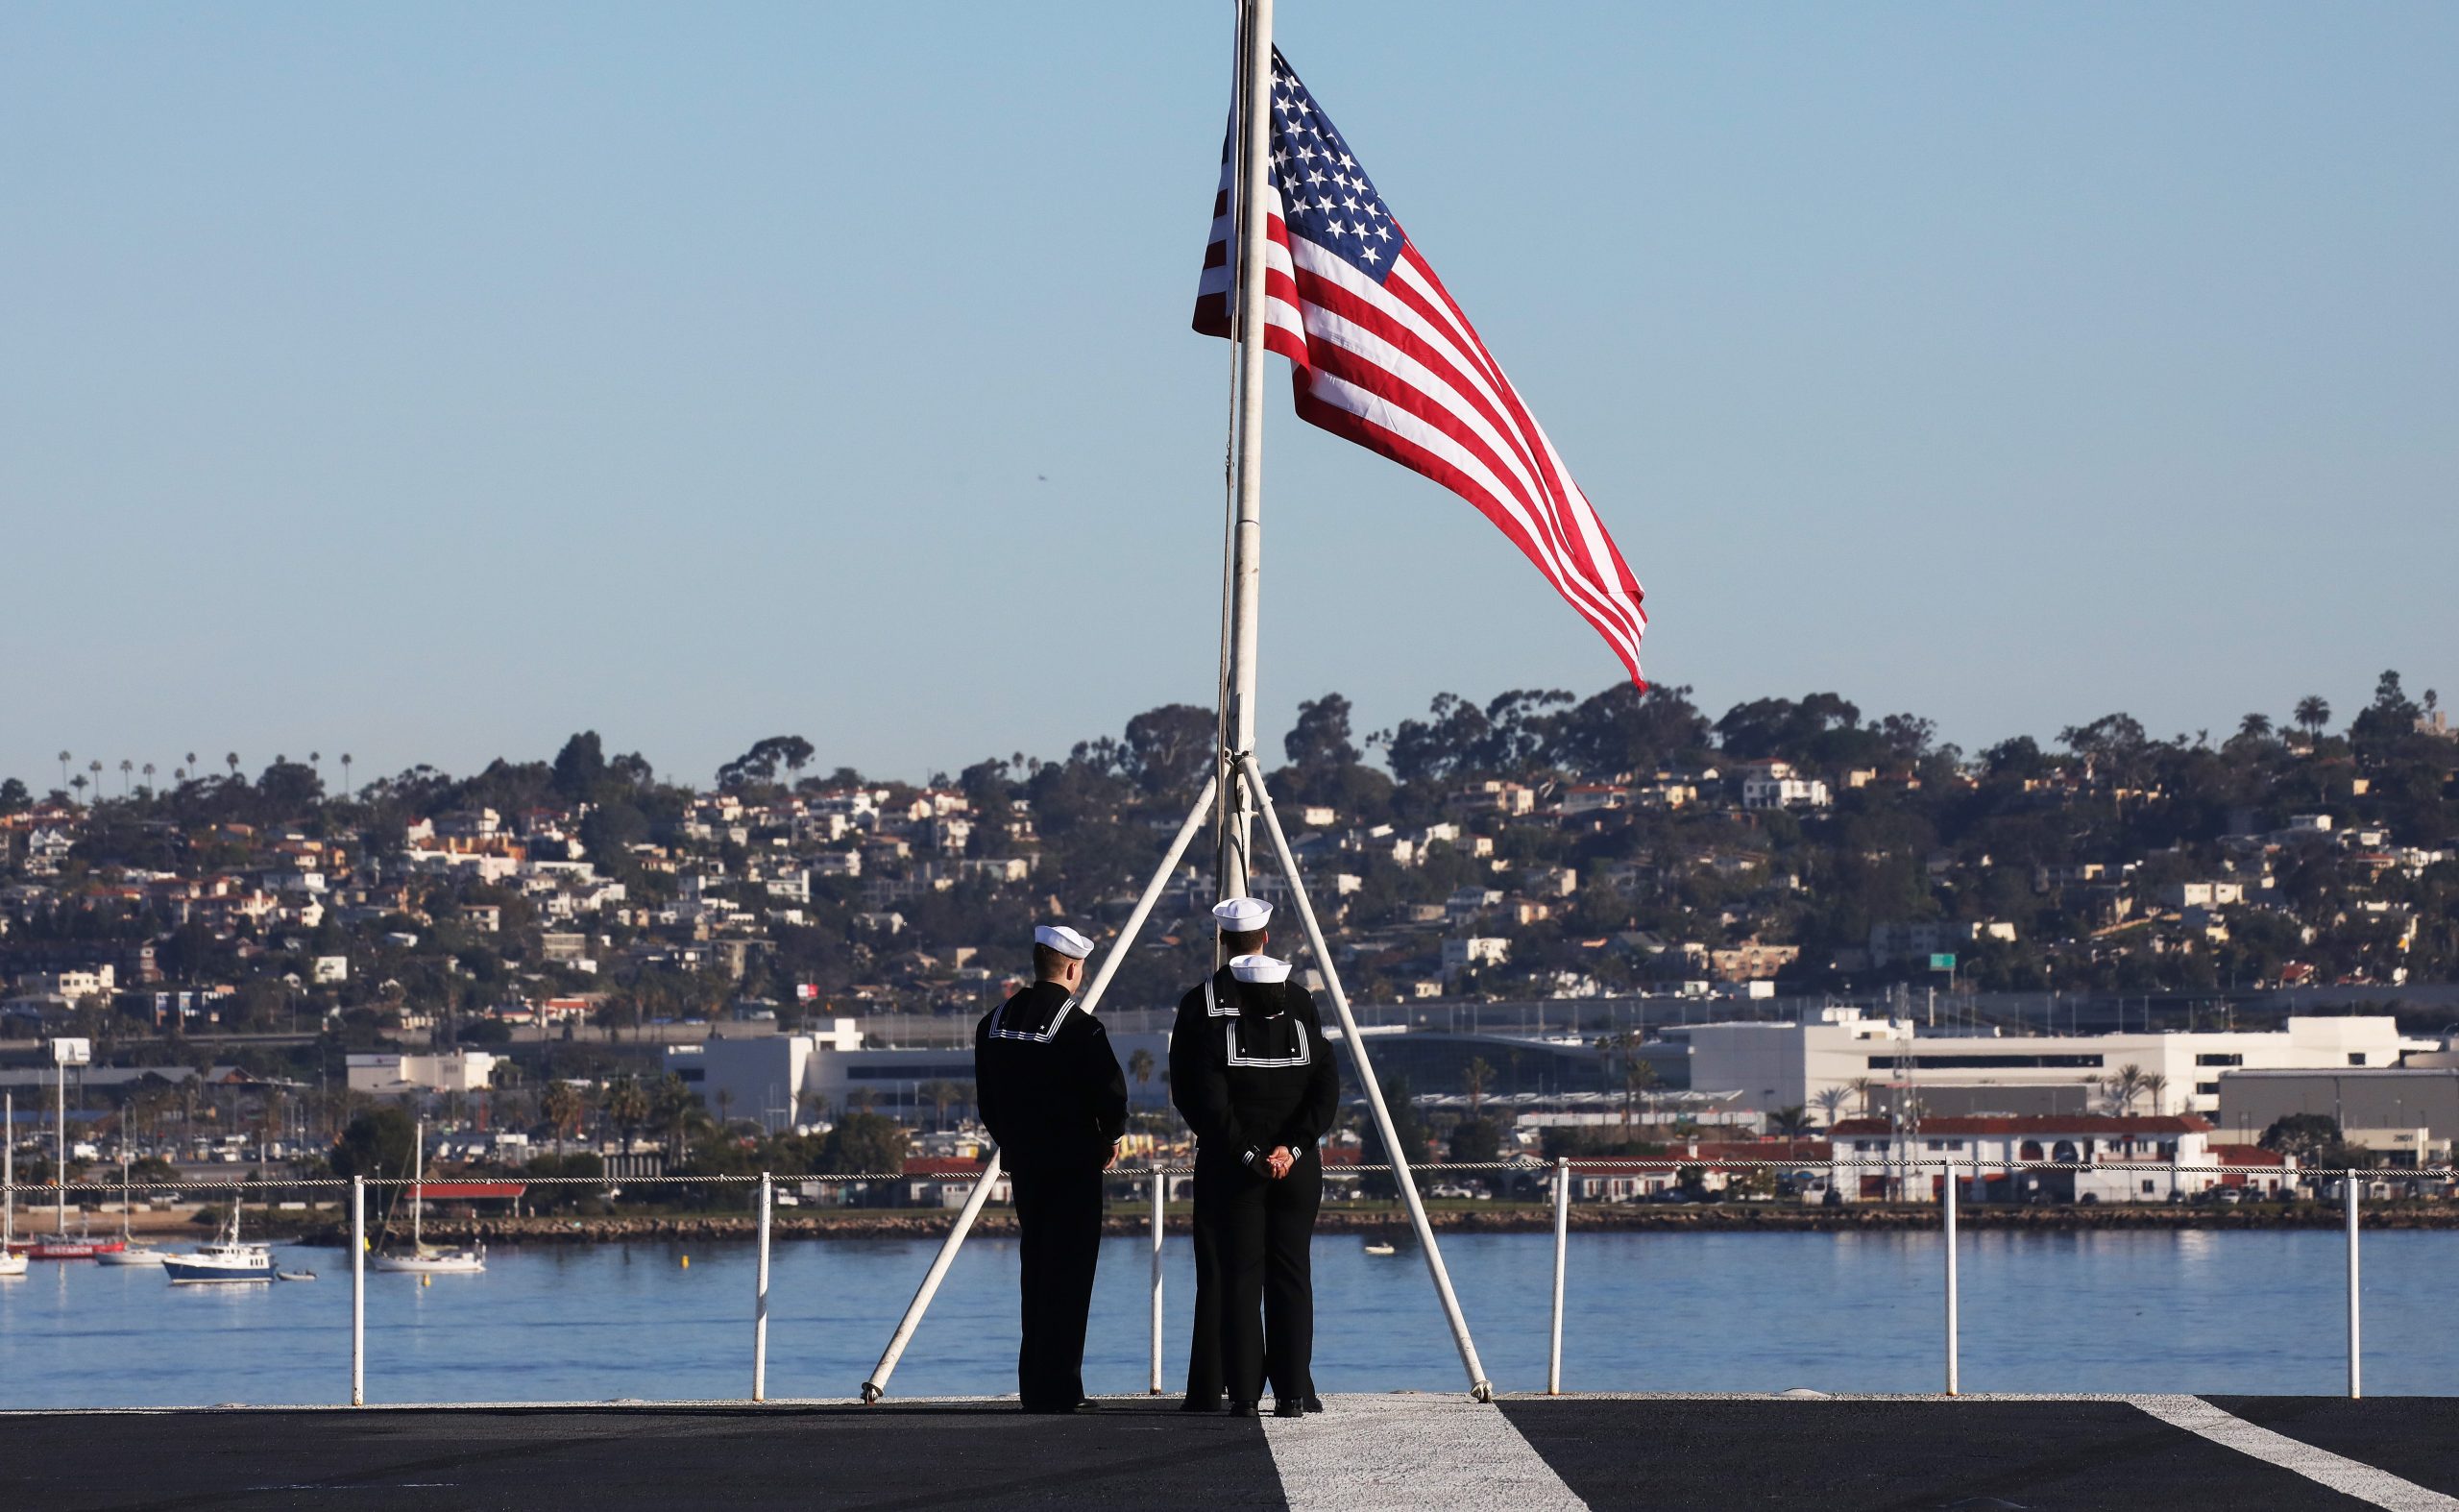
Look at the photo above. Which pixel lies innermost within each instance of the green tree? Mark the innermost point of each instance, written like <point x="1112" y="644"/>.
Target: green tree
<point x="379" y="1144"/>
<point x="866" y="1144"/>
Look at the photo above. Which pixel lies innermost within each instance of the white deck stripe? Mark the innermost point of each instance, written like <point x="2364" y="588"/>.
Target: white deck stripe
<point x="2350" y="1476"/>
<point x="1404" y="1452"/>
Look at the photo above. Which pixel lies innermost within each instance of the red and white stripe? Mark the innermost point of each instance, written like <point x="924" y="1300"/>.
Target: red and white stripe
<point x="1396" y="368"/>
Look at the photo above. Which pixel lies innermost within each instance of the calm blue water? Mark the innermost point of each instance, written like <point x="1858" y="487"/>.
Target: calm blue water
<point x="2089" y="1311"/>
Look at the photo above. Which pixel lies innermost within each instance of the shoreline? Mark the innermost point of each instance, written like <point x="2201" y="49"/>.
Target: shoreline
<point x="895" y="1222"/>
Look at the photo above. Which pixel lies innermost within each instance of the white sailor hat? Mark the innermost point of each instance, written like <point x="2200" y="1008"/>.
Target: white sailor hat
<point x="1259" y="968"/>
<point x="1066" y="941"/>
<point x="1243" y="915"/>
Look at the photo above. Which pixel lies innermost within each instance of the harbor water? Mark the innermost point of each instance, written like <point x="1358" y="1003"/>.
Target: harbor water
<point x="2167" y="1310"/>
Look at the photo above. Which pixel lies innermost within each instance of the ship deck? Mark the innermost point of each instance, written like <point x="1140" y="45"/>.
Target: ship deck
<point x="1833" y="1453"/>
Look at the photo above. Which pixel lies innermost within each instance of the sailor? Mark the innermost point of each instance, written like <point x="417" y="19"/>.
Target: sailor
<point x="1053" y="1096"/>
<point x="1259" y="1086"/>
<point x="1242" y="923"/>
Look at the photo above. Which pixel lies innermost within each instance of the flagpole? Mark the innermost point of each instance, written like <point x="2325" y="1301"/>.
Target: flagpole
<point x="1245" y="578"/>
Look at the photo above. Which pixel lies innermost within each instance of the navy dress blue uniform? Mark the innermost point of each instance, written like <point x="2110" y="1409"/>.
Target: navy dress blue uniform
<point x="1253" y="1077"/>
<point x="1216" y="999"/>
<point x="1053" y="1096"/>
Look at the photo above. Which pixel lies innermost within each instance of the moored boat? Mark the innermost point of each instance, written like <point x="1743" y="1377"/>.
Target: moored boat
<point x="424" y="1259"/>
<point x="127" y="1252"/>
<point x="226" y="1259"/>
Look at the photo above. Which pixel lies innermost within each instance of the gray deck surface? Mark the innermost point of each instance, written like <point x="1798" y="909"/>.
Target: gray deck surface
<point x="1366" y="1452"/>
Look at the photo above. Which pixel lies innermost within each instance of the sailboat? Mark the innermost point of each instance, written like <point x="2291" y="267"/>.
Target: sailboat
<point x="226" y="1259"/>
<point x="424" y="1258"/>
<point x="128" y="1251"/>
<point x="11" y="1263"/>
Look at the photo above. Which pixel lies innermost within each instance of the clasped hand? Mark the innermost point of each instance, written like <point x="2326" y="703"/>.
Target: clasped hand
<point x="1279" y="1161"/>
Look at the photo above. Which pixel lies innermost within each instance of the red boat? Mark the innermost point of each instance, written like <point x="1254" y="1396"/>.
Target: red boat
<point x="66" y="1247"/>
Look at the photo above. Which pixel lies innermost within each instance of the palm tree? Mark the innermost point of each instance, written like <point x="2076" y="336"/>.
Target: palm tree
<point x="316" y="763"/>
<point x="1830" y="1099"/>
<point x="941" y="1095"/>
<point x="63" y="769"/>
<point x="1638" y="1075"/>
<point x="2156" y="1085"/>
<point x="1791" y="1122"/>
<point x="96" y="768"/>
<point x="1623" y="1046"/>
<point x="125" y="768"/>
<point x="2254" y="726"/>
<point x="1866" y="1090"/>
<point x="191" y="761"/>
<point x="149" y="776"/>
<point x="78" y="782"/>
<point x="564" y="1108"/>
<point x="2313" y="714"/>
<point x="232" y="758"/>
<point x="1139" y="1065"/>
<point x="2123" y="1087"/>
<point x="626" y="1104"/>
<point x="346" y="789"/>
<point x="1474" y="1081"/>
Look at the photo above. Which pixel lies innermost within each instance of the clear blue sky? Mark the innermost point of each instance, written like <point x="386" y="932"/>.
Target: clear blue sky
<point x="429" y="382"/>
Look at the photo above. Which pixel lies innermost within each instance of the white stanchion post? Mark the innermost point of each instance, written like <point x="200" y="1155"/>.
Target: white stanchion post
<point x="1160" y="1199"/>
<point x="1949" y="1195"/>
<point x="877" y="1386"/>
<point x="759" y="1301"/>
<point x="1479" y="1387"/>
<point x="1562" y="1248"/>
<point x="2355" y="1347"/>
<point x="359" y="1291"/>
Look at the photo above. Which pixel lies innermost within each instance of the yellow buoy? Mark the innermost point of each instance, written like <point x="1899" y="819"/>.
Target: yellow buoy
<point x="687" y="1262"/>
<point x="427" y="1281"/>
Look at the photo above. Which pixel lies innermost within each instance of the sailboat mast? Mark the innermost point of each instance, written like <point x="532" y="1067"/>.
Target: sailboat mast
<point x="1244" y="580"/>
<point x="418" y="1184"/>
<point x="8" y="1172"/>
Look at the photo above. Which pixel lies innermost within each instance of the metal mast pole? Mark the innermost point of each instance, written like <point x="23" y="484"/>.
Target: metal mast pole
<point x="1244" y="582"/>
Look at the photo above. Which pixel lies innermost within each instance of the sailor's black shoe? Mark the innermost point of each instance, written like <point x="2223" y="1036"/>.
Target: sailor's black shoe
<point x="1289" y="1408"/>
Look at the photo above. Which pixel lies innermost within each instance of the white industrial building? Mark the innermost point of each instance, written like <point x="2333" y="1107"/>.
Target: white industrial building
<point x="814" y="1075"/>
<point x="405" y="1074"/>
<point x="1777" y="1065"/>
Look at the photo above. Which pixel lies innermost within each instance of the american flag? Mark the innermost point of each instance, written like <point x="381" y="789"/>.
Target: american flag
<point x="1384" y="357"/>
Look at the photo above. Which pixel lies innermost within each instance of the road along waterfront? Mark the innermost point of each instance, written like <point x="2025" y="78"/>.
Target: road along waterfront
<point x="2106" y="1310"/>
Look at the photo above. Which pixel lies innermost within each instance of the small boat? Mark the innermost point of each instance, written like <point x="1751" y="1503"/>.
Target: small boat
<point x="424" y="1258"/>
<point x="1381" y="1247"/>
<point x="226" y="1259"/>
<point x="294" y="1276"/>
<point x="127" y="1252"/>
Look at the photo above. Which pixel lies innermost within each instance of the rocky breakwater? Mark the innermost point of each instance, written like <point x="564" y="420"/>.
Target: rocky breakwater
<point x="910" y="1223"/>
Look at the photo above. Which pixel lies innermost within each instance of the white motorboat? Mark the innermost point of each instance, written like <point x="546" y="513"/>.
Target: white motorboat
<point x="226" y="1259"/>
<point x="422" y="1257"/>
<point x="130" y="1251"/>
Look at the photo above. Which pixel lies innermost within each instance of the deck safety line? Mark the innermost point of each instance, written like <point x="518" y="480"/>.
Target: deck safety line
<point x="2350" y="1476"/>
<point x="1401" y="1454"/>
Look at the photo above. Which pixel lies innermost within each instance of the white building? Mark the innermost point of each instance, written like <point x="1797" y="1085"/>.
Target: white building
<point x="1475" y="950"/>
<point x="2117" y="1160"/>
<point x="403" y="1074"/>
<point x="1775" y="785"/>
<point x="1777" y="1065"/>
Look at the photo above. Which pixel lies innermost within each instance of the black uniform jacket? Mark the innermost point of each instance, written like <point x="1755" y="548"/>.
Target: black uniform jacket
<point x="1250" y="1069"/>
<point x="1048" y="1084"/>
